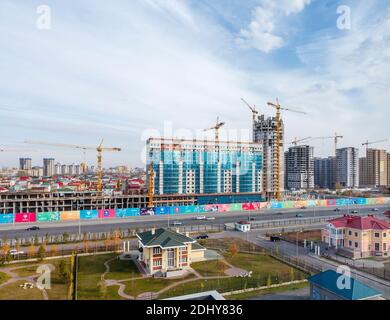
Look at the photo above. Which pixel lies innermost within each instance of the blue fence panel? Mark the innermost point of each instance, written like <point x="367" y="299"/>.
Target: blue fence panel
<point x="88" y="214"/>
<point x="128" y="212"/>
<point x="6" y="218"/>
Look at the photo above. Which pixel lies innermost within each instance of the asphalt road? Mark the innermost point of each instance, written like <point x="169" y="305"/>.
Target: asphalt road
<point x="92" y="226"/>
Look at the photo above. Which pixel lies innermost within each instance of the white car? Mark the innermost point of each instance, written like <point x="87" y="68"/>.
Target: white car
<point x="177" y="223"/>
<point x="14" y="252"/>
<point x="200" y="218"/>
<point x="210" y="218"/>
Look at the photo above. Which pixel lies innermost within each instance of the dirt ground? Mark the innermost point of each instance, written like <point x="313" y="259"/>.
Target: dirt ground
<point x="309" y="235"/>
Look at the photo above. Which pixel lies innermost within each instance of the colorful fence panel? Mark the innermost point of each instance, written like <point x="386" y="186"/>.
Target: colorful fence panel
<point x="163" y="210"/>
<point x="89" y="214"/>
<point x="7" y="218"/>
<point x="106" y="214"/>
<point x="223" y="207"/>
<point x="69" y="215"/>
<point x="129" y="212"/>
<point x="25" y="217"/>
<point x="147" y="211"/>
<point x="236" y="207"/>
<point x="251" y="206"/>
<point x="48" y="216"/>
<point x="189" y="209"/>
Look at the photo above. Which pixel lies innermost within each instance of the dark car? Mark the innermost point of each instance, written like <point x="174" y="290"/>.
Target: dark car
<point x="303" y="207"/>
<point x="337" y="210"/>
<point x="251" y="219"/>
<point x="299" y="215"/>
<point x="33" y="228"/>
<point x="202" y="236"/>
<point x="274" y="238"/>
<point x="354" y="211"/>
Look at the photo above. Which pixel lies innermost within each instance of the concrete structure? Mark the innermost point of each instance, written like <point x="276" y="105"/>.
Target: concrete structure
<point x="166" y="252"/>
<point x="48" y="167"/>
<point x="25" y="164"/>
<point x="264" y="132"/>
<point x="324" y="173"/>
<point x="202" y="167"/>
<point x="347" y="172"/>
<point x="242" y="226"/>
<point x="357" y="236"/>
<point x="376" y="168"/>
<point x="327" y="286"/>
<point x="300" y="167"/>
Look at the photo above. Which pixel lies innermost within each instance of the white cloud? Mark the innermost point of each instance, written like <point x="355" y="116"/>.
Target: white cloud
<point x="261" y="31"/>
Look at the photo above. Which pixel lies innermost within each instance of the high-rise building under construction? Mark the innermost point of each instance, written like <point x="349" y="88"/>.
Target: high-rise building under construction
<point x="204" y="167"/>
<point x="265" y="132"/>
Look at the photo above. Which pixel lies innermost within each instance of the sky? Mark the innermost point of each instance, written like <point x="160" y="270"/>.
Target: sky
<point x="77" y="72"/>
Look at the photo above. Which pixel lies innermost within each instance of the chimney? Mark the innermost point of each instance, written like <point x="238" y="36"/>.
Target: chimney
<point x="153" y="231"/>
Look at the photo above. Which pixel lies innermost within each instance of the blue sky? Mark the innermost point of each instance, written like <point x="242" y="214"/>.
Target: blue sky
<point x="124" y="71"/>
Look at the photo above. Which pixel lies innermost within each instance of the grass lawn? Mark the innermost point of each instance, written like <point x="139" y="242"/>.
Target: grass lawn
<point x="225" y="243"/>
<point x="136" y="287"/>
<point x="122" y="269"/>
<point x="89" y="273"/>
<point x="246" y="295"/>
<point x="27" y="271"/>
<point x="210" y="268"/>
<point x="3" y="277"/>
<point x="13" y="292"/>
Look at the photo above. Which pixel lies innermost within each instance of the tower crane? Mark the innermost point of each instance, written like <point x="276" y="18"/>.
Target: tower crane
<point x="252" y="109"/>
<point x="295" y="142"/>
<point x="335" y="138"/>
<point x="217" y="126"/>
<point x="99" y="150"/>
<point x="367" y="143"/>
<point x="278" y="108"/>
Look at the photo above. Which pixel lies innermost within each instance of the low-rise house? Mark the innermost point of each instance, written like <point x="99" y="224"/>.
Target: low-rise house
<point x="358" y="236"/>
<point x="167" y="252"/>
<point x="328" y="285"/>
<point x="243" y="226"/>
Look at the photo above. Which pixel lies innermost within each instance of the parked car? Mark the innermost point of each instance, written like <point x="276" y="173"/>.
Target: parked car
<point x="251" y="219"/>
<point x="274" y="238"/>
<point x="177" y="223"/>
<point x="14" y="252"/>
<point x="337" y="210"/>
<point x="210" y="218"/>
<point x="33" y="228"/>
<point x="299" y="215"/>
<point x="374" y="209"/>
<point x="200" y="218"/>
<point x="354" y="211"/>
<point x="202" y="236"/>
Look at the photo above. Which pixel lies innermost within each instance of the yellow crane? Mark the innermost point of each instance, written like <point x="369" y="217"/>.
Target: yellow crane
<point x="335" y="138"/>
<point x="278" y="108"/>
<point x="151" y="183"/>
<point x="217" y="126"/>
<point x="296" y="141"/>
<point x="252" y="109"/>
<point x="99" y="150"/>
<point x="367" y="143"/>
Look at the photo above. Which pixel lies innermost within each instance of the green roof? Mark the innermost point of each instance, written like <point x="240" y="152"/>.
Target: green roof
<point x="164" y="238"/>
<point x="197" y="246"/>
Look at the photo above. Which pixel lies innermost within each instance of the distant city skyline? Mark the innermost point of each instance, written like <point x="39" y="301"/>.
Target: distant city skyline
<point x="122" y="71"/>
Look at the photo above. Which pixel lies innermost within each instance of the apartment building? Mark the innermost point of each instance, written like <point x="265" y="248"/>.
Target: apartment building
<point x="300" y="167"/>
<point x="347" y="167"/>
<point x="358" y="236"/>
<point x="324" y="173"/>
<point x="376" y="168"/>
<point x="264" y="132"/>
<point x="204" y="167"/>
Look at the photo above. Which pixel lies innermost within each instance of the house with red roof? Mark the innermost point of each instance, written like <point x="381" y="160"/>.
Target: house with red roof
<point x="358" y="236"/>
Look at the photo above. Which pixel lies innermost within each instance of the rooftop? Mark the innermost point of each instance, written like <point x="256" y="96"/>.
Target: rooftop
<point x="357" y="291"/>
<point x="358" y="222"/>
<point x="164" y="238"/>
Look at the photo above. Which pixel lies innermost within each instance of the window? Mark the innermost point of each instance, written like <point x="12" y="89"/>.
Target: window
<point x="377" y="247"/>
<point x="157" y="263"/>
<point x="384" y="247"/>
<point x="157" y="250"/>
<point x="384" y="235"/>
<point x="171" y="257"/>
<point x="350" y="243"/>
<point x="356" y="234"/>
<point x="356" y="245"/>
<point x="350" y="232"/>
<point x="376" y="234"/>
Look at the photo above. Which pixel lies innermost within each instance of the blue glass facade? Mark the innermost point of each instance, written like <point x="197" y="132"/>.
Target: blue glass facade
<point x="196" y="167"/>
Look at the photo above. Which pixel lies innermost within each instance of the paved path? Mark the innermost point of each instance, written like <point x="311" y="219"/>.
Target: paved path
<point x="298" y="294"/>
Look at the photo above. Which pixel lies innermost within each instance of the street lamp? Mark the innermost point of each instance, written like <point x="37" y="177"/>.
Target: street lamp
<point x="297" y="243"/>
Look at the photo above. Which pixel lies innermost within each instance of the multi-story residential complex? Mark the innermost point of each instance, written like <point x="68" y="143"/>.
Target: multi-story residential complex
<point x="48" y="167"/>
<point x="376" y="168"/>
<point x="363" y="172"/>
<point x="300" y="167"/>
<point x="64" y="169"/>
<point x="204" y="167"/>
<point x="264" y="132"/>
<point x="37" y="172"/>
<point x="358" y="236"/>
<point x="324" y="173"/>
<point x="25" y="163"/>
<point x="57" y="169"/>
<point x="167" y="252"/>
<point x="347" y="167"/>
